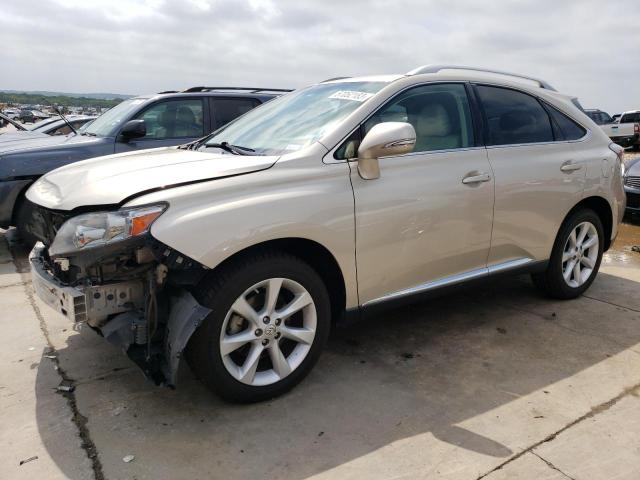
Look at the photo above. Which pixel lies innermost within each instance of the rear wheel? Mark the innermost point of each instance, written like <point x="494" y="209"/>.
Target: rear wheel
<point x="270" y="320"/>
<point x="575" y="258"/>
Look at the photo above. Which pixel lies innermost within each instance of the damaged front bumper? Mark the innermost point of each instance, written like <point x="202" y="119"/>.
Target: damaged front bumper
<point x="91" y="304"/>
<point x="119" y="312"/>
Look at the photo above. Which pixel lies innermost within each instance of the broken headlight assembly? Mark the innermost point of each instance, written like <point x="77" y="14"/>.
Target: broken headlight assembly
<point x="97" y="229"/>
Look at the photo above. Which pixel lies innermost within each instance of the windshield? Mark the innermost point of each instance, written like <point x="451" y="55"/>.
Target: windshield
<point x="294" y="121"/>
<point x="106" y="124"/>
<point x="82" y="128"/>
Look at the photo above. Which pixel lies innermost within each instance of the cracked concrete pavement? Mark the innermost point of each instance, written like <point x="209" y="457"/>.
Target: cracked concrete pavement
<point x="492" y="382"/>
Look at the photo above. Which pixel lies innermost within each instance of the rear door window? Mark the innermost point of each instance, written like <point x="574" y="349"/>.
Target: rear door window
<point x="514" y="117"/>
<point x="225" y="110"/>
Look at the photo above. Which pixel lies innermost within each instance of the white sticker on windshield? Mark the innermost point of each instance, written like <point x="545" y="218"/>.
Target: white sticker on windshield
<point x="351" y="95"/>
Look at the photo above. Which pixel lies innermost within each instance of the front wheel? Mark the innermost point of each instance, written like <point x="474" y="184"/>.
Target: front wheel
<point x="575" y="258"/>
<point x="270" y="320"/>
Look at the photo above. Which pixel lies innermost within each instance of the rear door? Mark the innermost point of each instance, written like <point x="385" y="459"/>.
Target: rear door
<point x="539" y="174"/>
<point x="169" y="122"/>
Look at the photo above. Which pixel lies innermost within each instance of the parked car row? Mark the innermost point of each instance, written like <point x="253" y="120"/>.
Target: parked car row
<point x="25" y="115"/>
<point x="237" y="250"/>
<point x="623" y="129"/>
<point x="165" y="119"/>
<point x="51" y="126"/>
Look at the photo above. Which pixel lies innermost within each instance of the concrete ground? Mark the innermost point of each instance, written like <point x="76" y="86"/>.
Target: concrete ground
<point x="493" y="382"/>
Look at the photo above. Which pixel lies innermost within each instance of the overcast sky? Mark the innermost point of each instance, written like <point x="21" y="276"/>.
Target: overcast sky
<point x="589" y="48"/>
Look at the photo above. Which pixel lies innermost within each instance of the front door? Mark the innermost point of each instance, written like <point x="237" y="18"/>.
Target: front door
<point x="168" y="123"/>
<point x="426" y="222"/>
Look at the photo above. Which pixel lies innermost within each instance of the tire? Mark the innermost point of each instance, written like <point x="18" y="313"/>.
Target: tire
<point x="21" y="217"/>
<point x="552" y="281"/>
<point x="250" y="279"/>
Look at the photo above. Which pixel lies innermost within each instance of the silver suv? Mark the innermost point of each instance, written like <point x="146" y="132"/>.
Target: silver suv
<point x="239" y="249"/>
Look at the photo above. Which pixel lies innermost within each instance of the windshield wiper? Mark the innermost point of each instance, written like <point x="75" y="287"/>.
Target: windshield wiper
<point x="89" y="134"/>
<point x="235" y="149"/>
<point x="192" y="145"/>
<point x="57" y="110"/>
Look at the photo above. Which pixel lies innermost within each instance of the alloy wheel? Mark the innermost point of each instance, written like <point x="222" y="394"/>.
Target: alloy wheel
<point x="268" y="331"/>
<point x="580" y="254"/>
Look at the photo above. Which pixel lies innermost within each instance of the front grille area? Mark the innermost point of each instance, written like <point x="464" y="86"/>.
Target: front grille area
<point x="43" y="223"/>
<point x="633" y="182"/>
<point x="633" y="200"/>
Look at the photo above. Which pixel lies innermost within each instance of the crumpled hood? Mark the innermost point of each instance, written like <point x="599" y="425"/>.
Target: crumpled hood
<point x="111" y="179"/>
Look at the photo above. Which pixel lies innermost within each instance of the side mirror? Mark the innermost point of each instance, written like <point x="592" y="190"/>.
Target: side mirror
<point x="383" y="140"/>
<point x="133" y="129"/>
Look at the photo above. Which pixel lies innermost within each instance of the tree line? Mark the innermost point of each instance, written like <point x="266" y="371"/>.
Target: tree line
<point x="60" y="100"/>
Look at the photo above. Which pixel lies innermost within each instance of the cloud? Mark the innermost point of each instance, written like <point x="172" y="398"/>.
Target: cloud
<point x="586" y="48"/>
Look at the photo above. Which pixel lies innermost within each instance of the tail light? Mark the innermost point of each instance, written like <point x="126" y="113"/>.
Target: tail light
<point x="636" y="128"/>
<point x="618" y="150"/>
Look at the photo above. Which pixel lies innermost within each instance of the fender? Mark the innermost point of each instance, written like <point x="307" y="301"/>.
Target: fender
<point x="210" y="222"/>
<point x="185" y="316"/>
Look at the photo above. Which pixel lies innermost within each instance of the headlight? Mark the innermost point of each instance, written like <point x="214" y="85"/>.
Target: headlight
<point x="102" y="228"/>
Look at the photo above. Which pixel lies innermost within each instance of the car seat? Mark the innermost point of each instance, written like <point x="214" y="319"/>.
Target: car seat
<point x="435" y="129"/>
<point x="186" y="125"/>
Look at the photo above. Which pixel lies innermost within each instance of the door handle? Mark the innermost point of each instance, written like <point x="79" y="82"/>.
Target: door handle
<point x="570" y="166"/>
<point x="478" y="178"/>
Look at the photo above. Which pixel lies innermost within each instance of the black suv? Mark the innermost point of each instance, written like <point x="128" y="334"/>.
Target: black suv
<point x="161" y="120"/>
<point x="26" y="116"/>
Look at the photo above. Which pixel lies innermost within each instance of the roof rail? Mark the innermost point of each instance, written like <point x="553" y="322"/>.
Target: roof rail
<point x="167" y="91"/>
<point x="249" y="89"/>
<point x="334" y="78"/>
<point x="438" y="68"/>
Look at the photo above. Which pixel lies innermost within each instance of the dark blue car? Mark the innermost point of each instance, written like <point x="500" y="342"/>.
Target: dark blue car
<point x="165" y="119"/>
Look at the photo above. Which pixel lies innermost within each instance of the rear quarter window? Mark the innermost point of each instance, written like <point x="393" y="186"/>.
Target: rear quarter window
<point x="564" y="127"/>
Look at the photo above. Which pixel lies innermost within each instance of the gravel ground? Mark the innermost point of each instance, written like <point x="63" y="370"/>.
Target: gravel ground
<point x="631" y="154"/>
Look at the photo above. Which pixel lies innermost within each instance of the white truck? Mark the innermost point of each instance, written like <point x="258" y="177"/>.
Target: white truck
<point x="625" y="132"/>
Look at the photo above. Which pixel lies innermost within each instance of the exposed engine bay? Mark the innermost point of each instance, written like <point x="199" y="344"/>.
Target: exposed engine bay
<point x="135" y="293"/>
